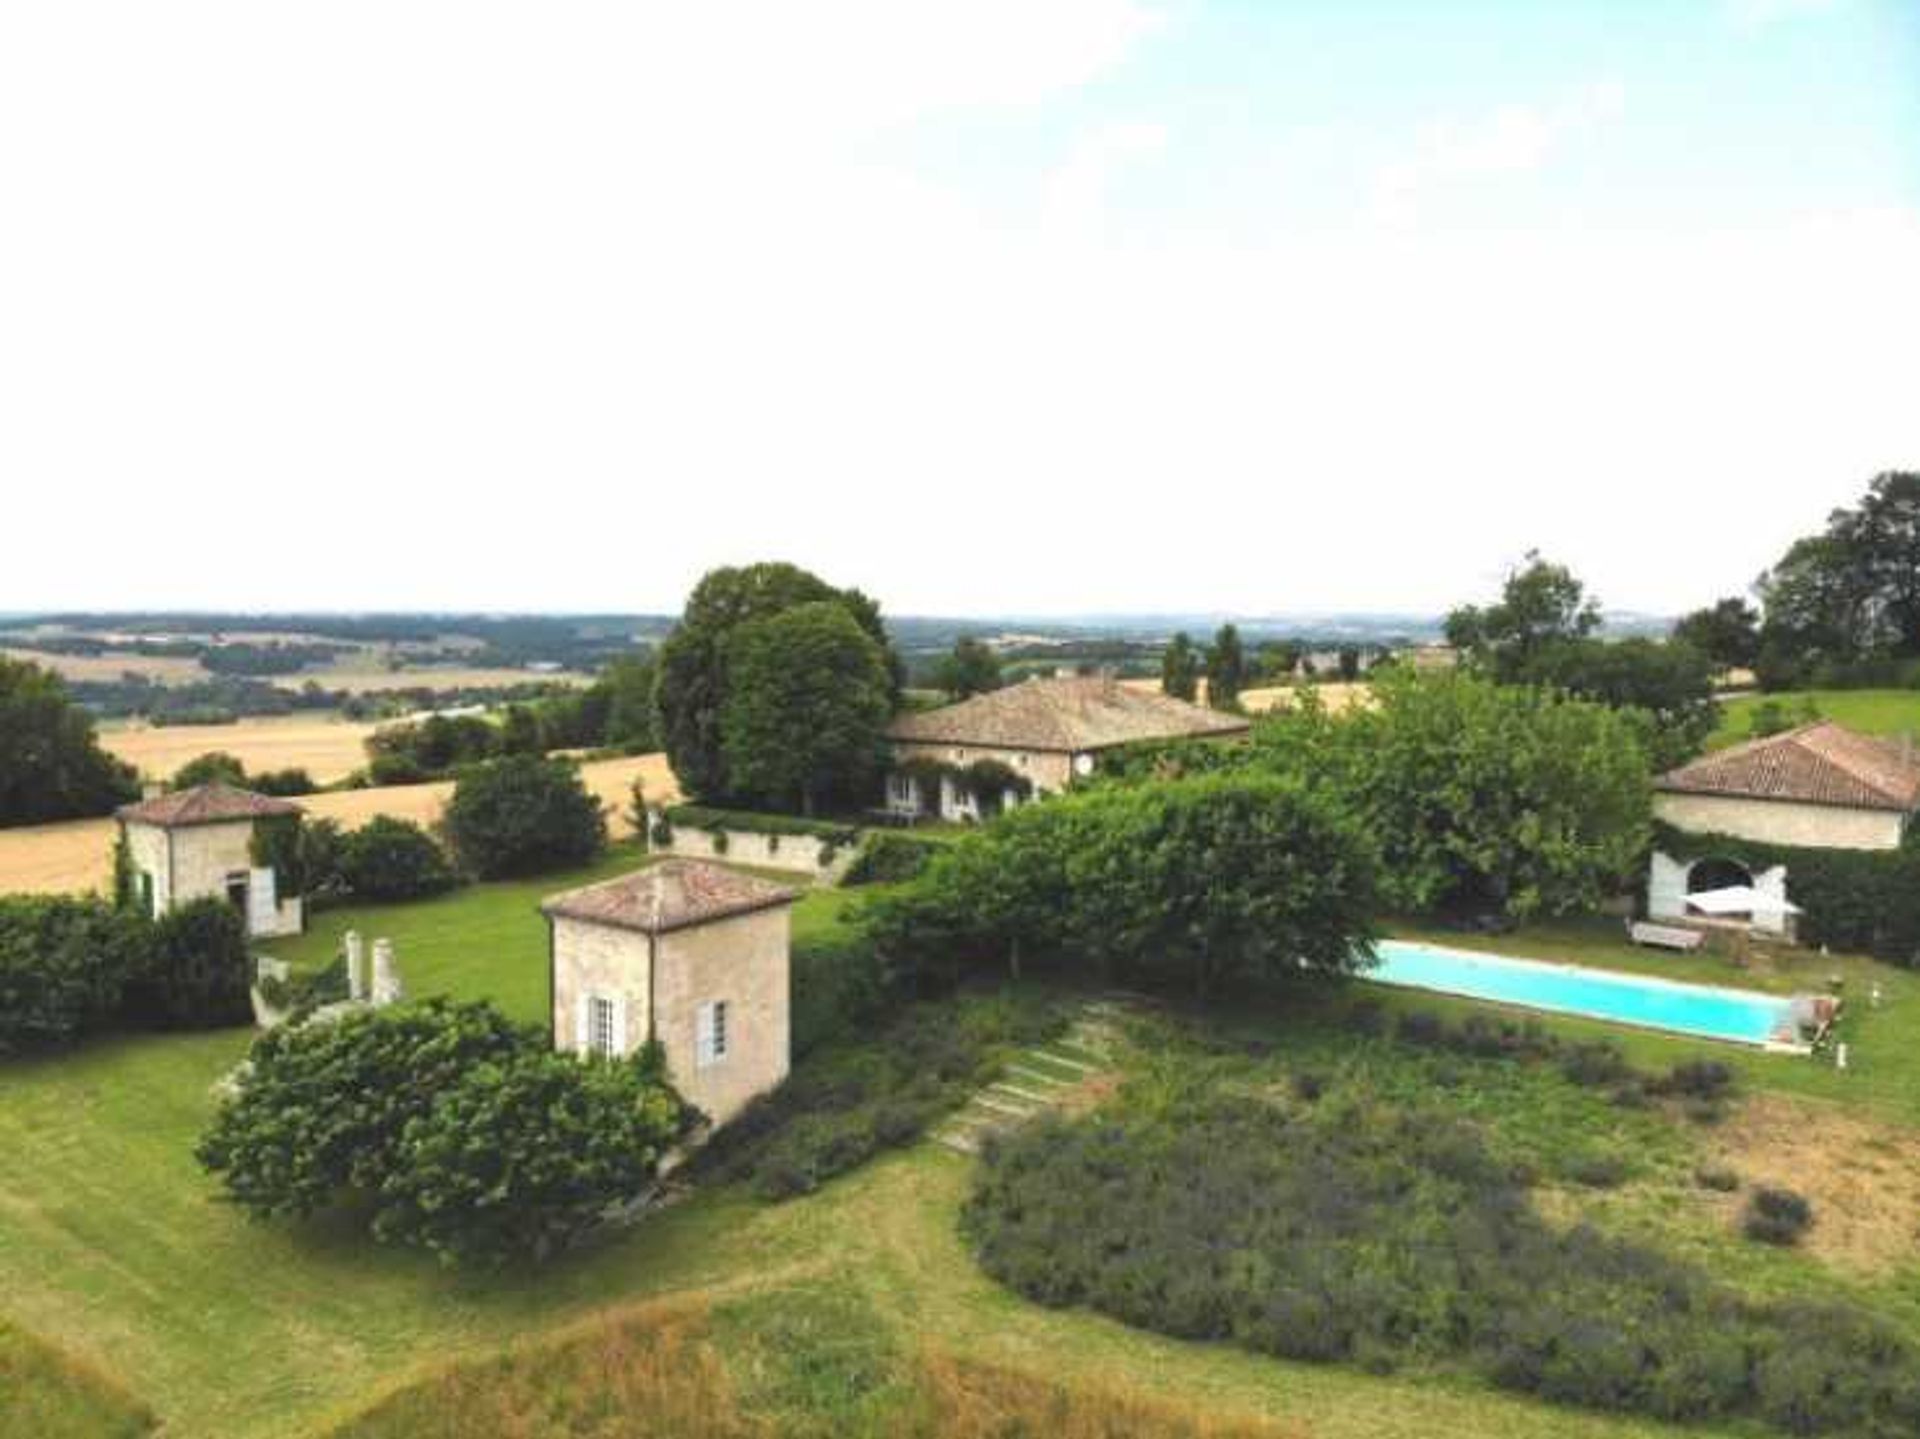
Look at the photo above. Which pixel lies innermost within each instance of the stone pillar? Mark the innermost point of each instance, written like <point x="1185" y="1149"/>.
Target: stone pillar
<point x="386" y="979"/>
<point x="356" y="965"/>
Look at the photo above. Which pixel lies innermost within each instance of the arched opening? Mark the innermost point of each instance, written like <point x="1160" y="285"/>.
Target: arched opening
<point x="1716" y="873"/>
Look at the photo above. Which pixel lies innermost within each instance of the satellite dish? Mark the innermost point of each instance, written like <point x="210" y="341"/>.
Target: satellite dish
<point x="1083" y="764"/>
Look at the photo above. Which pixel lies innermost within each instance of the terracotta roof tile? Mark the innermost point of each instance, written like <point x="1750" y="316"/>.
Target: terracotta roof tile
<point x="1065" y="714"/>
<point x="1821" y="763"/>
<point x="205" y="804"/>
<point x="672" y="894"/>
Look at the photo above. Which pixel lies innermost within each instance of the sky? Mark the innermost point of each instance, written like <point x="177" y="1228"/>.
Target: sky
<point x="987" y="306"/>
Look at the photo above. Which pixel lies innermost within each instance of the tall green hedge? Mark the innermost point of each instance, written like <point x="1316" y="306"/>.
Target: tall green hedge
<point x="1854" y="899"/>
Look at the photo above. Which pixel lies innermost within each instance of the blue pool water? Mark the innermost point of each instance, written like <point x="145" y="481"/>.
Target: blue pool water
<point x="1730" y="1014"/>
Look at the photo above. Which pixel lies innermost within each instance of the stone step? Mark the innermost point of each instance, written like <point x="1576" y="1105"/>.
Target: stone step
<point x="1083" y="1049"/>
<point x="959" y="1143"/>
<point x="1004" y="1088"/>
<point x="1040" y="1076"/>
<point x="1000" y="1106"/>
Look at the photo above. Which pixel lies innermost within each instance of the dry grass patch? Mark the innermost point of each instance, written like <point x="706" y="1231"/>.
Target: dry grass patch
<point x="1862" y="1176"/>
<point x="365" y="680"/>
<point x="105" y="669"/>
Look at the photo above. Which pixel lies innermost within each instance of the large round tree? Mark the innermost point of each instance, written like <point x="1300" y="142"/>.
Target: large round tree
<point x="51" y="763"/>
<point x="806" y="710"/>
<point x="694" y="682"/>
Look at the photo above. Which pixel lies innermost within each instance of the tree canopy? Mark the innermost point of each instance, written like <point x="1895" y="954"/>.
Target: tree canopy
<point x="1180" y="668"/>
<point x="51" y="763"/>
<point x="1850" y="593"/>
<point x="694" y="680"/>
<point x="1727" y="632"/>
<point x="1226" y="669"/>
<point x="806" y="710"/>
<point x="523" y="815"/>
<point x="1540" y="604"/>
<point x="971" y="669"/>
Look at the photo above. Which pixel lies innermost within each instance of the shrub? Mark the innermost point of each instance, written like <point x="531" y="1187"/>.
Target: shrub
<point x="1595" y="1064"/>
<point x="564" y="1140"/>
<point x="392" y="859"/>
<point x="1776" y="1216"/>
<point x="1708" y="1079"/>
<point x="523" y="815"/>
<point x="214" y="767"/>
<point x="1716" y="1177"/>
<point x="1355" y="1234"/>
<point x="284" y="782"/>
<point x="886" y="858"/>
<point x="1598" y="1171"/>
<point x="64" y="967"/>
<point x="471" y="1138"/>
<point x="199" y="970"/>
<point x="1307" y="1086"/>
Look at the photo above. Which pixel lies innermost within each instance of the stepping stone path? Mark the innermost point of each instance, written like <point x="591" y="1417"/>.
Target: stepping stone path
<point x="1042" y="1077"/>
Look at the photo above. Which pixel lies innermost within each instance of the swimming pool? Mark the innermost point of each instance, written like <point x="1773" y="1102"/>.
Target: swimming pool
<point x="1740" y="1016"/>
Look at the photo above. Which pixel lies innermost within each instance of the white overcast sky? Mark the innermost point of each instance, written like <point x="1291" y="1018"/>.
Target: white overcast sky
<point x="986" y="306"/>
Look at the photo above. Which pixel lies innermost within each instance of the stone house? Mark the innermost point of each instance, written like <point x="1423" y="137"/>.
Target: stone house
<point x="1034" y="737"/>
<point x="198" y="843"/>
<point x="1821" y="786"/>
<point x="690" y="954"/>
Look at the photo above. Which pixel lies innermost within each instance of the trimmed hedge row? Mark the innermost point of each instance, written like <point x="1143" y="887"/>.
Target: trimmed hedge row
<point x="1866" y="901"/>
<point x="886" y="858"/>
<point x="70" y="967"/>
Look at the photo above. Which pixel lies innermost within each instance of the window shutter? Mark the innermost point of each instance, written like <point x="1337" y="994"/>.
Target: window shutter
<point x="703" y="1035"/>
<point x="620" y="1025"/>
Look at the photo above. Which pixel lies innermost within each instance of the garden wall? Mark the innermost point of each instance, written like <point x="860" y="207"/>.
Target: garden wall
<point x="817" y="859"/>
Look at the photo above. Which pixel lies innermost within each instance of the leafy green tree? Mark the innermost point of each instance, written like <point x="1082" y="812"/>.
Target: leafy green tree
<point x="1180" y="668"/>
<point x="286" y="782"/>
<point x="51" y="763"/>
<point x="1726" y="632"/>
<point x="1541" y="604"/>
<point x="1349" y="663"/>
<point x="1669" y="682"/>
<point x="519" y="732"/>
<point x="1482" y="796"/>
<point x="971" y="669"/>
<point x="693" y="685"/>
<point x="523" y="815"/>
<point x="213" y="767"/>
<point x="1226" y="669"/>
<point x="390" y="859"/>
<point x="565" y="1138"/>
<point x="633" y="714"/>
<point x="321" y="1109"/>
<point x="807" y="708"/>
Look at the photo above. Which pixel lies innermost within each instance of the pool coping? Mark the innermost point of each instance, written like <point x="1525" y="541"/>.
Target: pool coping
<point x="1765" y="1046"/>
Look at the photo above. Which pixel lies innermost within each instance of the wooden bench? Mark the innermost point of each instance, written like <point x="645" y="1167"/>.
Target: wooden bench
<point x="1665" y="936"/>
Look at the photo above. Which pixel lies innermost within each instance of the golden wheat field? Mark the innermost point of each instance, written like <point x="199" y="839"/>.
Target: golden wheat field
<point x="1337" y="697"/>
<point x="329" y="749"/>
<point x="77" y="854"/>
<point x="105" y="669"/>
<point x="352" y="680"/>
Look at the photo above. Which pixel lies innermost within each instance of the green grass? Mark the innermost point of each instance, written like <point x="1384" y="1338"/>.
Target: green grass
<point x="114" y="1247"/>
<point x="48" y="1395"/>
<point x="1881" y="712"/>
<point x="489" y="941"/>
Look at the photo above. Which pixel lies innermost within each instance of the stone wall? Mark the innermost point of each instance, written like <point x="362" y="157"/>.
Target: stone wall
<point x="598" y="959"/>
<point x="1812" y="826"/>
<point x="742" y="961"/>
<point x="797" y="854"/>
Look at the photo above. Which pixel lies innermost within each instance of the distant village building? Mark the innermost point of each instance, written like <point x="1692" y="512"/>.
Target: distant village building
<point x="198" y="843"/>
<point x="1820" y="786"/>
<point x="962" y="761"/>
<point x="689" y="954"/>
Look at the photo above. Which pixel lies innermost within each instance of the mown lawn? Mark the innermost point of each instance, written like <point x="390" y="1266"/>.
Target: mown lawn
<point x="115" y="1249"/>
<point x="489" y="941"/>
<point x="1882" y="712"/>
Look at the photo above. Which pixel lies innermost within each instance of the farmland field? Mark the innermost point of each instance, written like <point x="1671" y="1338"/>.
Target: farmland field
<point x="327" y="748"/>
<point x="368" y="680"/>
<point x="77" y="854"/>
<point x="105" y="669"/>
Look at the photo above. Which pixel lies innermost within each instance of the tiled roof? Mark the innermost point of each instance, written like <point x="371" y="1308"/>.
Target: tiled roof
<point x="205" y="804"/>
<point x="1821" y="763"/>
<point x="672" y="894"/>
<point x="1068" y="714"/>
